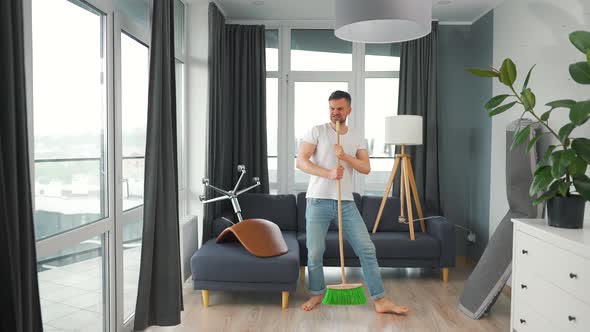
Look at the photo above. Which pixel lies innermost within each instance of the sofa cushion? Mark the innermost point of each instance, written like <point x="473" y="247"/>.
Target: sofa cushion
<point x="280" y="209"/>
<point x="302" y="205"/>
<point x="387" y="245"/>
<point x="230" y="262"/>
<point x="389" y="218"/>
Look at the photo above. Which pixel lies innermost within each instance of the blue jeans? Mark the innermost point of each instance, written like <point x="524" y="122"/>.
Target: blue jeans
<point x="319" y="214"/>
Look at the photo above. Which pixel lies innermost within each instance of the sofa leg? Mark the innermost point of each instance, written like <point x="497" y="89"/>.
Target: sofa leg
<point x="302" y="273"/>
<point x="205" y="294"/>
<point x="445" y="274"/>
<point x="285" y="300"/>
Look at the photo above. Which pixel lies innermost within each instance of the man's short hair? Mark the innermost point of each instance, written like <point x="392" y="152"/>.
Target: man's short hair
<point x="340" y="95"/>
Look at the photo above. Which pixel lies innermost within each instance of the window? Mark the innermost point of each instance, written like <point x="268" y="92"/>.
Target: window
<point x="319" y="63"/>
<point x="71" y="287"/>
<point x="138" y="11"/>
<point x="90" y="95"/>
<point x="382" y="57"/>
<point x="272" y="50"/>
<point x="134" y="100"/>
<point x="382" y="63"/>
<point x="319" y="50"/>
<point x="132" y="236"/>
<point x="272" y="105"/>
<point x="69" y="116"/>
<point x="380" y="101"/>
<point x="179" y="72"/>
<point x="179" y="54"/>
<point x="178" y="28"/>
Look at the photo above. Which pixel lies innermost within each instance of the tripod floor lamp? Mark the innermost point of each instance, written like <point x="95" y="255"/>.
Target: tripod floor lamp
<point x="403" y="130"/>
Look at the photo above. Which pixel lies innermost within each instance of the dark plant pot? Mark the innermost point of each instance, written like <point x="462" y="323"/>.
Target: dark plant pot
<point x="566" y="212"/>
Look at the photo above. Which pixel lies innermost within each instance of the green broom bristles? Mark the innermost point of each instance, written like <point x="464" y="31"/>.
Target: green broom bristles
<point x="353" y="296"/>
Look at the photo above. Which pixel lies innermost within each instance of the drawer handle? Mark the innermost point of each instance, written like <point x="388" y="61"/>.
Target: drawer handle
<point x="571" y="318"/>
<point x="525" y="252"/>
<point x="523" y="286"/>
<point x="573" y="276"/>
<point x="522" y="321"/>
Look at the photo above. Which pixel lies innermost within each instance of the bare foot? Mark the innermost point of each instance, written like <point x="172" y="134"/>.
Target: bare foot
<point x="384" y="306"/>
<point x="313" y="302"/>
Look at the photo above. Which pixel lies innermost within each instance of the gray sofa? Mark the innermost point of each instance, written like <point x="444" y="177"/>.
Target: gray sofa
<point x="229" y="267"/>
<point x="435" y="248"/>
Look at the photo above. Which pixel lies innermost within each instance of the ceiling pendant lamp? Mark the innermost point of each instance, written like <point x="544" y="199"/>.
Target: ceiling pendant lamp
<point x="382" y="21"/>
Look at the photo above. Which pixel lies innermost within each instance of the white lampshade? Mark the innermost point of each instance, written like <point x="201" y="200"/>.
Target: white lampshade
<point x="382" y="21"/>
<point x="403" y="129"/>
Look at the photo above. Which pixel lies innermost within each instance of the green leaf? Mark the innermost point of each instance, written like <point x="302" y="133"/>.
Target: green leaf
<point x="554" y="185"/>
<point x="581" y="40"/>
<point x="545" y="197"/>
<point x="528" y="99"/>
<point x="483" y="73"/>
<point x="582" y="184"/>
<point x="580" y="72"/>
<point x="565" y="103"/>
<point x="588" y="57"/>
<point x="508" y="72"/>
<point x="578" y="166"/>
<point x="565" y="131"/>
<point x="533" y="142"/>
<point x="582" y="147"/>
<point x="563" y="187"/>
<point x="541" y="180"/>
<point x="495" y="101"/>
<point x="560" y="161"/>
<point x="580" y="112"/>
<point x="528" y="76"/>
<point x="502" y="109"/>
<point x="545" y="116"/>
<point x="548" y="153"/>
<point x="520" y="137"/>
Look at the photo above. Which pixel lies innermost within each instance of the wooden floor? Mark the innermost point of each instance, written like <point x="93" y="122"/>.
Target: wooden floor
<point x="433" y="307"/>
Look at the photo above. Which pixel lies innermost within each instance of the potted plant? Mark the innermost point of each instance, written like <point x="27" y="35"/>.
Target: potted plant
<point x="560" y="176"/>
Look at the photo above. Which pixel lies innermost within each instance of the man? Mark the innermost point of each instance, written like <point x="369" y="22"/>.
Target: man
<point x="317" y="157"/>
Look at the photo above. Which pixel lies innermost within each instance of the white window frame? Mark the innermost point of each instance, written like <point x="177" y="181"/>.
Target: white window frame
<point x="363" y="187"/>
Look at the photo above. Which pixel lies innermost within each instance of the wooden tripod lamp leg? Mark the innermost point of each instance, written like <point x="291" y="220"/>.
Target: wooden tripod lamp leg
<point x="402" y="187"/>
<point x="387" y="190"/>
<point x="408" y="200"/>
<point x="416" y="197"/>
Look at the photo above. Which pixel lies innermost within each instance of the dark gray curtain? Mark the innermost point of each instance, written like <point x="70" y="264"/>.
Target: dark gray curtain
<point x="417" y="96"/>
<point x="237" y="108"/>
<point x="159" y="295"/>
<point x="19" y="300"/>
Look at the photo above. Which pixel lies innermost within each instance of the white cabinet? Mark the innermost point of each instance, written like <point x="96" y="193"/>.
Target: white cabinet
<point x="550" y="277"/>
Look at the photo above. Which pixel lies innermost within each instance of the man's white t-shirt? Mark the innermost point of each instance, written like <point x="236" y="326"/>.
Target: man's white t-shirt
<point x="324" y="138"/>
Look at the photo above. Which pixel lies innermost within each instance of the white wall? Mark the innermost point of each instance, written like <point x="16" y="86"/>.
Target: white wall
<point x="535" y="32"/>
<point x="197" y="104"/>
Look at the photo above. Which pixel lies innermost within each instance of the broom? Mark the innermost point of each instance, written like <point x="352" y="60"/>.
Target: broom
<point x="343" y="294"/>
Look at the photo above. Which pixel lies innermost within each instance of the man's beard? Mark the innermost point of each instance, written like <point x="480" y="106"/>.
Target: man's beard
<point x="336" y="118"/>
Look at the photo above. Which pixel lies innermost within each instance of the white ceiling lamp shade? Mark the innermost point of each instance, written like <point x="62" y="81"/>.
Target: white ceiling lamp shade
<point x="382" y="21"/>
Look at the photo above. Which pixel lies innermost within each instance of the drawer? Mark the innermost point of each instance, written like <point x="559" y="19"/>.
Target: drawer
<point x="525" y="319"/>
<point x="555" y="305"/>
<point x="559" y="266"/>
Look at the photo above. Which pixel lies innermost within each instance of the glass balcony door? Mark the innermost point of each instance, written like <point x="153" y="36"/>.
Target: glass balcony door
<point x="131" y="86"/>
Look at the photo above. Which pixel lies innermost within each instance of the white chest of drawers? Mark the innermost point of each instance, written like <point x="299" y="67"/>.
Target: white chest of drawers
<point x="550" y="277"/>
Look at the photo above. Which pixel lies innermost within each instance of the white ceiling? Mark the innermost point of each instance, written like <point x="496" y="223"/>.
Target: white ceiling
<point x="461" y="11"/>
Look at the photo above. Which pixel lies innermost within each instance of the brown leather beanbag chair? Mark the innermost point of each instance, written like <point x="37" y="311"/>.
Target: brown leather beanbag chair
<point x="260" y="237"/>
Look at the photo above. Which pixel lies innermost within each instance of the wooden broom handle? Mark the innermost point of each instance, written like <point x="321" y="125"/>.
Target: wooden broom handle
<point x="340" y="210"/>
